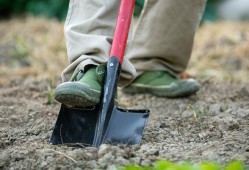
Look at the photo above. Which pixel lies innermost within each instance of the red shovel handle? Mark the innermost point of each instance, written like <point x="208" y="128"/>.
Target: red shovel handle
<point x="122" y="29"/>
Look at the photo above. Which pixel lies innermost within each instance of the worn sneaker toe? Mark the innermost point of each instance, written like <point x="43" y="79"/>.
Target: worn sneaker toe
<point x="76" y="94"/>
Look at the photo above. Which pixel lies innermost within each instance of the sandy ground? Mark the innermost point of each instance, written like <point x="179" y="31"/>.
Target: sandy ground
<point x="211" y="125"/>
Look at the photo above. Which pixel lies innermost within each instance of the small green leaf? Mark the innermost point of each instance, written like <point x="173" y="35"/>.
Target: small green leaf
<point x="209" y="166"/>
<point x="236" y="165"/>
<point x="162" y="165"/>
<point x="132" y="167"/>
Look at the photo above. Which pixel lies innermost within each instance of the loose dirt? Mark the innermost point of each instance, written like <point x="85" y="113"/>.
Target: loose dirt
<point x="210" y="125"/>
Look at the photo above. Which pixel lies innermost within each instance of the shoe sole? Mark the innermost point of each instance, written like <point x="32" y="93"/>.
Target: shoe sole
<point x="181" y="89"/>
<point x="76" y="94"/>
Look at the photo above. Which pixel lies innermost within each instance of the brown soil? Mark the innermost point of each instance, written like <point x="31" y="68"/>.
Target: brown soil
<point x="211" y="125"/>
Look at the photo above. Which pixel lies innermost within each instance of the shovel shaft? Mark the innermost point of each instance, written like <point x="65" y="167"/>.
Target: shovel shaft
<point x="113" y="69"/>
<point x="107" y="102"/>
<point x="122" y="29"/>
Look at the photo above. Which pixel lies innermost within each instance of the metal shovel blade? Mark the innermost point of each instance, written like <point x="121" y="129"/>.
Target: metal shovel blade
<point x="76" y="126"/>
<point x="126" y="126"/>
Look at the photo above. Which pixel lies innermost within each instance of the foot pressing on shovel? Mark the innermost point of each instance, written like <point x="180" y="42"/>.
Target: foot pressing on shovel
<point x="84" y="89"/>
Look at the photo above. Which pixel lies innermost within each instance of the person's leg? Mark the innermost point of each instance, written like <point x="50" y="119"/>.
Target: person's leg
<point x="89" y="29"/>
<point x="163" y="42"/>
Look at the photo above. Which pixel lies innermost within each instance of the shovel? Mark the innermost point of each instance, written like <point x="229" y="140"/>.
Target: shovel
<point x="105" y="122"/>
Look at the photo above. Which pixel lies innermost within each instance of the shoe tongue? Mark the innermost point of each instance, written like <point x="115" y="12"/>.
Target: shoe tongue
<point x="78" y="76"/>
<point x="101" y="70"/>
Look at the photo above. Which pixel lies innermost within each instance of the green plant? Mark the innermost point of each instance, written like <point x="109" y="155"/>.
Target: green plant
<point x="21" y="49"/>
<point x="50" y="92"/>
<point x="235" y="165"/>
<point x="166" y="165"/>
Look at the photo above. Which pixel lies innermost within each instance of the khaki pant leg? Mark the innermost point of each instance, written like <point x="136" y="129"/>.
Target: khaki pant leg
<point x="89" y="29"/>
<point x="164" y="36"/>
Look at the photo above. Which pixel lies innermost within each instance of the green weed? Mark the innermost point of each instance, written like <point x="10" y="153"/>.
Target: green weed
<point x="21" y="49"/>
<point x="50" y="92"/>
<point x="166" y="165"/>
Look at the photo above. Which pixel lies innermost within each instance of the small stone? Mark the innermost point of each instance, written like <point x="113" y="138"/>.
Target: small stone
<point x="182" y="107"/>
<point x="191" y="140"/>
<point x="162" y="125"/>
<point x="50" y="159"/>
<point x="144" y="148"/>
<point x="245" y="90"/>
<point x="76" y="153"/>
<point x="201" y="106"/>
<point x="231" y="123"/>
<point x="103" y="149"/>
<point x="215" y="109"/>
<point x="43" y="164"/>
<point x="93" y="164"/>
<point x="12" y="108"/>
<point x="174" y="133"/>
<point x="229" y="111"/>
<point x="106" y="159"/>
<point x="202" y="135"/>
<point x="111" y="167"/>
<point x="135" y="160"/>
<point x="4" y="157"/>
<point x="146" y="162"/>
<point x="225" y="123"/>
<point x="188" y="113"/>
<point x="135" y="147"/>
<point x="152" y="152"/>
<point x="77" y="168"/>
<point x="121" y="161"/>
<point x="240" y="113"/>
<point x="209" y="155"/>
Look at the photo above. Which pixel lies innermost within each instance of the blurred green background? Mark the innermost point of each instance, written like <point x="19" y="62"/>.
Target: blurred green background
<point x="49" y="8"/>
<point x="58" y="8"/>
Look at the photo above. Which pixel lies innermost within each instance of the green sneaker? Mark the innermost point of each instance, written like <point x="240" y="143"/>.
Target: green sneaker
<point x="83" y="90"/>
<point x="162" y="84"/>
